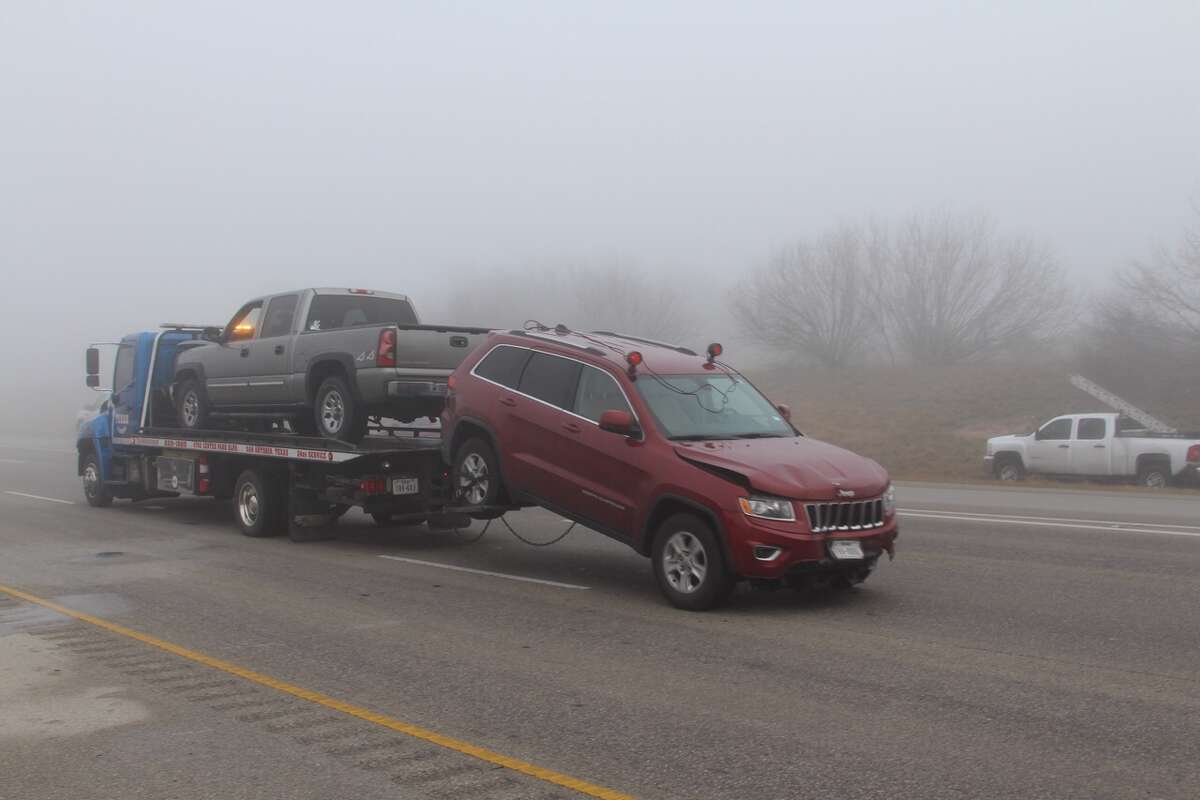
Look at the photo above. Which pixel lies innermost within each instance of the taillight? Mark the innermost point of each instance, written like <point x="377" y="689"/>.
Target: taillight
<point x="385" y="353"/>
<point x="203" y="484"/>
<point x="1194" y="453"/>
<point x="372" y="486"/>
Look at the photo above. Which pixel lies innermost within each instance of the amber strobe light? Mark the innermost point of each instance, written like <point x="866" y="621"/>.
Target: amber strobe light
<point x="714" y="351"/>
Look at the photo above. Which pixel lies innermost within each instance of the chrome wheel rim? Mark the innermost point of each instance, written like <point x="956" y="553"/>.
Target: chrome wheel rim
<point x="1008" y="473"/>
<point x="473" y="479"/>
<point x="333" y="411"/>
<point x="191" y="409"/>
<point x="685" y="562"/>
<point x="247" y="503"/>
<point x="1156" y="480"/>
<point x="91" y="480"/>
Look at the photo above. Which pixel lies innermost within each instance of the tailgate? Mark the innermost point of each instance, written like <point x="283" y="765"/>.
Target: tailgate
<point x="435" y="347"/>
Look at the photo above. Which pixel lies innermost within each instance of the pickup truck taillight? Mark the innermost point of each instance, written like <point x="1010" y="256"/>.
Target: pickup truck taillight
<point x="1194" y="453"/>
<point x="385" y="353"/>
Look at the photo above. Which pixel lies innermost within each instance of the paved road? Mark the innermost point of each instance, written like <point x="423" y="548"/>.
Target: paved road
<point x="1052" y="655"/>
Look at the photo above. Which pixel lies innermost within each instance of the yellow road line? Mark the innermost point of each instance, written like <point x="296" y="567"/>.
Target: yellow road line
<point x="417" y="732"/>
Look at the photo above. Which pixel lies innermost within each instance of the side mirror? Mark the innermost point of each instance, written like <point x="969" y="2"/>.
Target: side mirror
<point x="785" y="411"/>
<point x="92" y="361"/>
<point x="93" y="381"/>
<point x="619" y="422"/>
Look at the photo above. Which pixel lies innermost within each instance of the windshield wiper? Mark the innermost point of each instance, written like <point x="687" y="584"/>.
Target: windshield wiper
<point x="698" y="437"/>
<point x="759" y="435"/>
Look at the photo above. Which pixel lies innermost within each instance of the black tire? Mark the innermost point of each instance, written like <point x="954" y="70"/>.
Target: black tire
<point x="475" y="476"/>
<point x="191" y="405"/>
<point x="259" y="504"/>
<point x="336" y="411"/>
<point x="382" y="519"/>
<point x="1009" y="468"/>
<point x="93" y="487"/>
<point x="689" y="564"/>
<point x="1154" y="475"/>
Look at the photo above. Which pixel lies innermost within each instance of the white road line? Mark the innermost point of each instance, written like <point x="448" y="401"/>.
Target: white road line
<point x="1110" y="522"/>
<point x="485" y="572"/>
<point x="1035" y="523"/>
<point x="39" y="497"/>
<point x="12" y="461"/>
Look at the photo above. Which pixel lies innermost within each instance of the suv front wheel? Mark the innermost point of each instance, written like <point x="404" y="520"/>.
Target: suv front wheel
<point x="689" y="564"/>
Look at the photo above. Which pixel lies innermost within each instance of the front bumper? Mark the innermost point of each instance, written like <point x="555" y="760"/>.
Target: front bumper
<point x="775" y="550"/>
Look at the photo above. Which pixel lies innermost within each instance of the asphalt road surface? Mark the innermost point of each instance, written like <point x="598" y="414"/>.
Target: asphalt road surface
<point x="1024" y="643"/>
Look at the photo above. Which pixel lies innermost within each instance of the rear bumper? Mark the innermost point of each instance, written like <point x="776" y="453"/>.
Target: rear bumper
<point x="416" y="390"/>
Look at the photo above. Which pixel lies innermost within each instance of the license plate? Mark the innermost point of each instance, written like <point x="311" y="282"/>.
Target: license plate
<point x="405" y="486"/>
<point x="845" y="550"/>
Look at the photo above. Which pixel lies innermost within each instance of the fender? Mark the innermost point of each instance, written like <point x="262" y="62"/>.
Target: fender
<point x="317" y="360"/>
<point x="196" y="367"/>
<point x="95" y="436"/>
<point x="645" y="542"/>
<point x="448" y="440"/>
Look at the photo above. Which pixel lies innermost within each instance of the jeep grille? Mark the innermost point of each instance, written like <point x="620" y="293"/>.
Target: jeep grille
<point x="855" y="515"/>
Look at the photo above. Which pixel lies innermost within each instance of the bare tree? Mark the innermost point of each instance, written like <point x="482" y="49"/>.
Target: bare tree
<point x="1169" y="283"/>
<point x="813" y="298"/>
<point x="952" y="290"/>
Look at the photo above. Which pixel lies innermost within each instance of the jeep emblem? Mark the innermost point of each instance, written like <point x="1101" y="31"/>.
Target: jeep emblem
<point x="845" y="493"/>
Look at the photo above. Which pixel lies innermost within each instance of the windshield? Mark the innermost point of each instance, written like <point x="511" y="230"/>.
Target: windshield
<point x="717" y="406"/>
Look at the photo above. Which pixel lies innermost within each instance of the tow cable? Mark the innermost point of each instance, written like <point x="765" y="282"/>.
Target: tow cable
<point x="519" y="537"/>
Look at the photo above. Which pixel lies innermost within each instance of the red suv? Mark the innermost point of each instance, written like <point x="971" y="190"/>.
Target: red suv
<point x="674" y="453"/>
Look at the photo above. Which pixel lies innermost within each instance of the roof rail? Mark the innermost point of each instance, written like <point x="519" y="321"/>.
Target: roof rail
<point x="687" y="351"/>
<point x="587" y="348"/>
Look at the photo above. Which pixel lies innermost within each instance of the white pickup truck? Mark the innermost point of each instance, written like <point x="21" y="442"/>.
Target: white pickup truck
<point x="1096" y="446"/>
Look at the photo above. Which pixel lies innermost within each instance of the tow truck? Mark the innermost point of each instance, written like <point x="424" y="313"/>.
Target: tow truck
<point x="279" y="481"/>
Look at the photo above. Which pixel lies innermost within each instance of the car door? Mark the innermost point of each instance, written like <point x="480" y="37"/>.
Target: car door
<point x="1090" y="452"/>
<point x="1050" y="450"/>
<point x="126" y="399"/>
<point x="269" y="359"/>
<point x="539" y="429"/>
<point x="227" y="366"/>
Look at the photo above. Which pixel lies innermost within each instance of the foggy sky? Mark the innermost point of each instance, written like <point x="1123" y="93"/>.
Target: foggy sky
<point x="165" y="161"/>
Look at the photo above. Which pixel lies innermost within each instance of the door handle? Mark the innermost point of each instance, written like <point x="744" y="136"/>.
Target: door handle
<point x="571" y="427"/>
<point x="1098" y="446"/>
<point x="1064" y="446"/>
<point x="245" y="352"/>
<point x="508" y="401"/>
<point x="278" y="349"/>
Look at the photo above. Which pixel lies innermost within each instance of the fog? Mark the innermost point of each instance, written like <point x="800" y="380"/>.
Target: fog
<point x="167" y="161"/>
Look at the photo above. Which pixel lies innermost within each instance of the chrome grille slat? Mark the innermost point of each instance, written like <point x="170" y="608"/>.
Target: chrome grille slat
<point x="852" y="515"/>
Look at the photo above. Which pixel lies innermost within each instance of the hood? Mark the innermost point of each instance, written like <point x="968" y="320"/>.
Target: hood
<point x="1008" y="438"/>
<point x="798" y="468"/>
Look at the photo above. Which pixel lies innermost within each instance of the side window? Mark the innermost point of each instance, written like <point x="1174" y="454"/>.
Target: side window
<point x="1058" y="429"/>
<point x="503" y="365"/>
<point x="123" y="369"/>
<point x="551" y="379"/>
<point x="244" y="325"/>
<point x="280" y="313"/>
<point x="1092" y="428"/>
<point x="598" y="392"/>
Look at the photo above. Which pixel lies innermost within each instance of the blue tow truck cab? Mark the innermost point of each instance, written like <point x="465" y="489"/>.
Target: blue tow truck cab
<point x="278" y="481"/>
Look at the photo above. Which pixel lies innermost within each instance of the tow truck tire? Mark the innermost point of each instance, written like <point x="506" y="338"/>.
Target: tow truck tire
<point x="689" y="564"/>
<point x="1154" y="475"/>
<point x="93" y="487"/>
<point x="191" y="405"/>
<point x="336" y="411"/>
<point x="476" y="475"/>
<point x="259" y="504"/>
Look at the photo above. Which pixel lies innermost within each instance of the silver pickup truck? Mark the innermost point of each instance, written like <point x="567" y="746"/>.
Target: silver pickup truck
<point x="323" y="359"/>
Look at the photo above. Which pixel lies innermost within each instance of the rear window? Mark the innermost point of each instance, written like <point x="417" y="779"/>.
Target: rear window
<point x="503" y="365"/>
<point x="332" y="311"/>
<point x="551" y="379"/>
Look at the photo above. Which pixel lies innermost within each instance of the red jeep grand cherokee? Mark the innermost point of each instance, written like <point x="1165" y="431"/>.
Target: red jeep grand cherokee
<point x="673" y="453"/>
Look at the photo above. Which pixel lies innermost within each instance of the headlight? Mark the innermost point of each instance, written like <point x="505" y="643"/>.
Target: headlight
<point x="768" y="508"/>
<point x="889" y="501"/>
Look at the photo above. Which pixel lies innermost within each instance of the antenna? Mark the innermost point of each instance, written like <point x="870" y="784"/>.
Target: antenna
<point x="1128" y="409"/>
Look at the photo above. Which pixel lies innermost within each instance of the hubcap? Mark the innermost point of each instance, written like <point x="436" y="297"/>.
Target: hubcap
<point x="247" y="502"/>
<point x="333" y="411"/>
<point x="191" y="409"/>
<point x="1008" y="473"/>
<point x="473" y="479"/>
<point x="685" y="562"/>
<point x="91" y="480"/>
<point x="1156" y="480"/>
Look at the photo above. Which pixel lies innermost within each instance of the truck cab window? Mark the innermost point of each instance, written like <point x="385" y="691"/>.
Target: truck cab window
<point x="123" y="369"/>
<point x="1092" y="428"/>
<point x="245" y="324"/>
<point x="280" y="313"/>
<point x="1057" y="429"/>
<point x="598" y="392"/>
<point x="551" y="379"/>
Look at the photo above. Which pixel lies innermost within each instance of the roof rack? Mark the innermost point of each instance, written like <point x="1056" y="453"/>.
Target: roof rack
<point x="557" y="339"/>
<point x="687" y="351"/>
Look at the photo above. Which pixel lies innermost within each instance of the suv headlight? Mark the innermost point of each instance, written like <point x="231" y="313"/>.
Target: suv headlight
<point x="768" y="508"/>
<point x="889" y="501"/>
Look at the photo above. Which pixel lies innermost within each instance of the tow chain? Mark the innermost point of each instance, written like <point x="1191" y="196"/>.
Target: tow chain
<point x="519" y="537"/>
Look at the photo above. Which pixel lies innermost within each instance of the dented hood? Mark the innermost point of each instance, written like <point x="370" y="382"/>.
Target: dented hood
<point x="797" y="467"/>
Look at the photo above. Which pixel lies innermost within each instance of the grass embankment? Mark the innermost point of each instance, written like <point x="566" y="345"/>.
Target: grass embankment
<point x="923" y="423"/>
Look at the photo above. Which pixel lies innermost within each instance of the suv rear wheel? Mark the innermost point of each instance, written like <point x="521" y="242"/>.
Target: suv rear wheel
<point x="689" y="565"/>
<point x="476" y="474"/>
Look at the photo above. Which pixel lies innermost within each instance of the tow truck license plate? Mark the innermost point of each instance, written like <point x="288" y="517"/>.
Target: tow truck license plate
<point x="405" y="486"/>
<point x="846" y="549"/>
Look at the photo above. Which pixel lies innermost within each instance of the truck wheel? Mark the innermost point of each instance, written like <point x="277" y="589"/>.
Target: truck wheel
<point x="337" y="413"/>
<point x="191" y="408"/>
<point x="93" y="487"/>
<point x="259" y="504"/>
<point x="1010" y="469"/>
<point x="689" y="565"/>
<point x="476" y="474"/>
<point x="1154" y="476"/>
